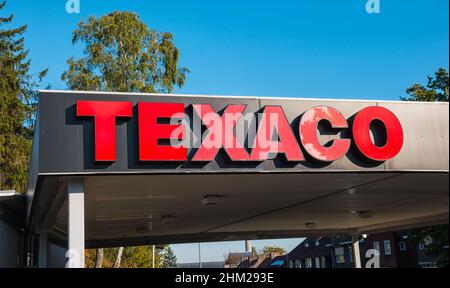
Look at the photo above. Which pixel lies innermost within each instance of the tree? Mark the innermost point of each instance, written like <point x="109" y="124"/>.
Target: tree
<point x="132" y="257"/>
<point x="99" y="258"/>
<point x="435" y="90"/>
<point x="273" y="249"/>
<point x="18" y="99"/>
<point x="118" y="258"/>
<point x="169" y="259"/>
<point x="122" y="54"/>
<point x="142" y="256"/>
<point x="435" y="237"/>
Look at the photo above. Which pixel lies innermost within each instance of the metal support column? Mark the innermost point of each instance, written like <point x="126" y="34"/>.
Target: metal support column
<point x="43" y="247"/>
<point x="356" y="251"/>
<point x="75" y="225"/>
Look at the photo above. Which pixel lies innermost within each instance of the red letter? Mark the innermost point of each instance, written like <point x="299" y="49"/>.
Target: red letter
<point x="273" y="119"/>
<point x="361" y="133"/>
<point x="104" y="113"/>
<point x="308" y="133"/>
<point x="220" y="133"/>
<point x="150" y="131"/>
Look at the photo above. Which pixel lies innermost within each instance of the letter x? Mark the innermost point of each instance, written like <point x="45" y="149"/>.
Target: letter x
<point x="220" y="133"/>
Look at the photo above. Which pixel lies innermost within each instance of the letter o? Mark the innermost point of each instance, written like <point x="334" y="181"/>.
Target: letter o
<point x="361" y="133"/>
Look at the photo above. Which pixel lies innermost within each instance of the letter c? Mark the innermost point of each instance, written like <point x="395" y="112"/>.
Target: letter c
<point x="308" y="133"/>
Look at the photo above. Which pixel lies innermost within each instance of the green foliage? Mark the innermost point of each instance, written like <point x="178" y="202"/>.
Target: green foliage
<point x="133" y="257"/>
<point x="436" y="89"/>
<point x="18" y="98"/>
<point x="273" y="249"/>
<point x="169" y="258"/>
<point x="123" y="54"/>
<point x="141" y="256"/>
<point x="89" y="258"/>
<point x="435" y="238"/>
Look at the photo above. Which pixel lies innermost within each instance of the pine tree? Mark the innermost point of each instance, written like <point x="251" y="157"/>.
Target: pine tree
<point x="17" y="105"/>
<point x="169" y="258"/>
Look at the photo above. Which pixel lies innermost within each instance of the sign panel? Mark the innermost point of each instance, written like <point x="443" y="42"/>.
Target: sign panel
<point x="84" y="132"/>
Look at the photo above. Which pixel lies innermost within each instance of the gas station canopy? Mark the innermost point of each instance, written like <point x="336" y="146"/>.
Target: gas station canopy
<point x="103" y="172"/>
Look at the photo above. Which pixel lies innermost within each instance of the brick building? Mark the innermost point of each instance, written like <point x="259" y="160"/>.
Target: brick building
<point x="394" y="248"/>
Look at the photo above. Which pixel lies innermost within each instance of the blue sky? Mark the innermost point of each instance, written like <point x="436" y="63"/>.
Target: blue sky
<point x="310" y="48"/>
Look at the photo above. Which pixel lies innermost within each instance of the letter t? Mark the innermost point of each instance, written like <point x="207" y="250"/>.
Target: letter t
<point x="104" y="113"/>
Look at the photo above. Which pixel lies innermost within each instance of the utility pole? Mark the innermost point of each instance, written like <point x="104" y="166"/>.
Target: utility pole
<point x="248" y="246"/>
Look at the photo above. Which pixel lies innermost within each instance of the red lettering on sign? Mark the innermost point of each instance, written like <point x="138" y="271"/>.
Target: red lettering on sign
<point x="220" y="133"/>
<point x="150" y="132"/>
<point x="361" y="133"/>
<point x="104" y="113"/>
<point x="273" y="120"/>
<point x="273" y="136"/>
<point x="308" y="133"/>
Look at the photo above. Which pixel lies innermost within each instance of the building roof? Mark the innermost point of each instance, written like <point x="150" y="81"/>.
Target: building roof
<point x="208" y="264"/>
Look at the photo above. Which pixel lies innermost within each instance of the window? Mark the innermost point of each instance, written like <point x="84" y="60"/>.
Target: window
<point x="306" y="245"/>
<point x="317" y="262"/>
<point x="308" y="263"/>
<point x="387" y="247"/>
<point x="340" y="259"/>
<point x="291" y="264"/>
<point x="298" y="264"/>
<point x="323" y="262"/>
<point x="339" y="252"/>
<point x="350" y="253"/>
<point x="376" y="246"/>
<point x="402" y="246"/>
<point x="317" y="243"/>
<point x="421" y="245"/>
